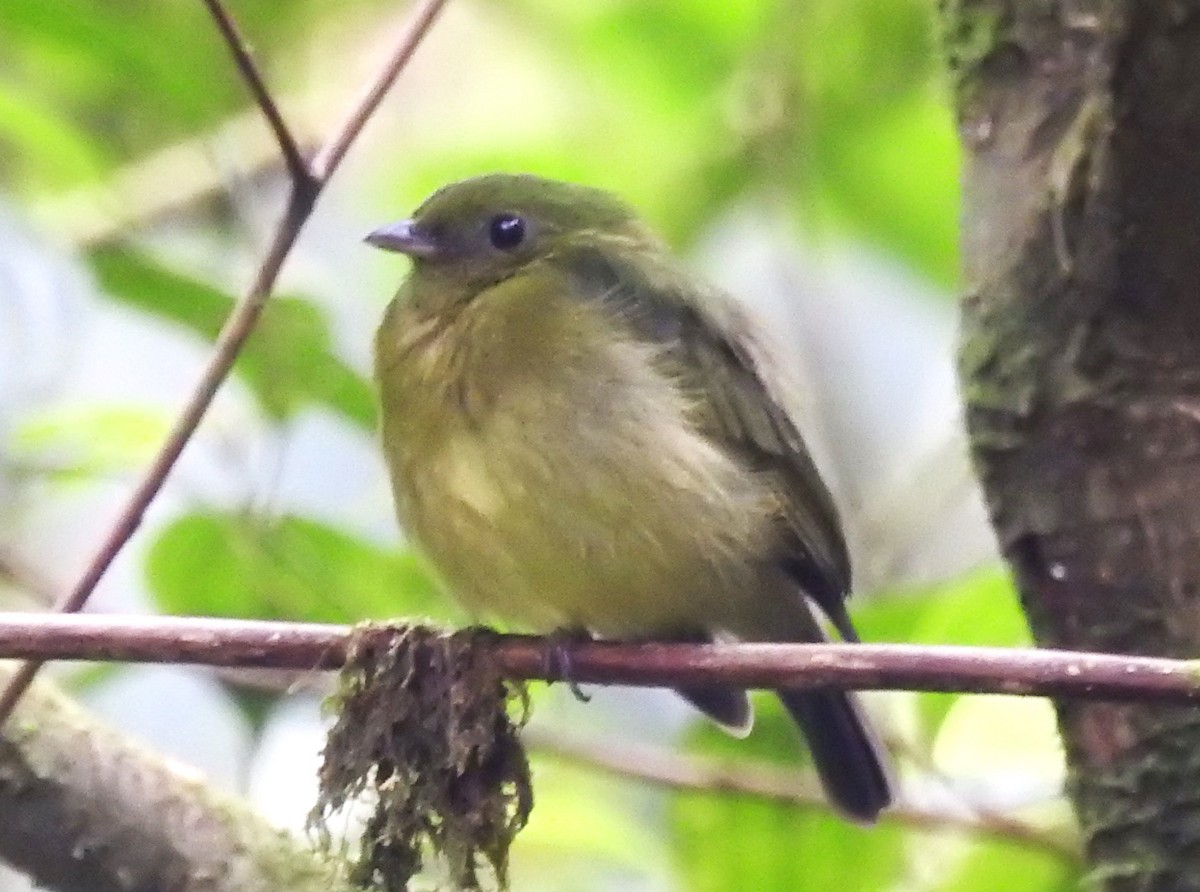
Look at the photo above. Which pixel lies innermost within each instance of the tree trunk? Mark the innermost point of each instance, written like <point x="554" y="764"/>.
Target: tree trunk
<point x="1080" y="371"/>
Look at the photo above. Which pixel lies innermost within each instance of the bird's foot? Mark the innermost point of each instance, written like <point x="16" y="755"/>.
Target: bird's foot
<point x="557" y="666"/>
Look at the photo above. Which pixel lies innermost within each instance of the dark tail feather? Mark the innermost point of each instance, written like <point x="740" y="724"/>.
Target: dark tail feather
<point x="846" y="755"/>
<point x="728" y="707"/>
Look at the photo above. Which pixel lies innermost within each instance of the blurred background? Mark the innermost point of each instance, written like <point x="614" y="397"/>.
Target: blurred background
<point x="800" y="152"/>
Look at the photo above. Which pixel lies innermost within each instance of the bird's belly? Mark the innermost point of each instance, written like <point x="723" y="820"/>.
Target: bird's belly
<point x="565" y="577"/>
<point x="624" y="539"/>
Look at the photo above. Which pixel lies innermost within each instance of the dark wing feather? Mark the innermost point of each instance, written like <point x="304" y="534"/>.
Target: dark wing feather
<point x="715" y="350"/>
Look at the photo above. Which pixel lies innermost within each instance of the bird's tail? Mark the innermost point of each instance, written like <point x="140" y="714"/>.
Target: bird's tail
<point x="847" y="756"/>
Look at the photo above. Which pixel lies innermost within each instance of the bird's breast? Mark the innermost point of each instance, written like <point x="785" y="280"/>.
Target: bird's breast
<point x="578" y="493"/>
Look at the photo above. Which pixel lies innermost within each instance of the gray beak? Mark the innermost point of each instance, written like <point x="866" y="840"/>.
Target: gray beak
<point x="405" y="237"/>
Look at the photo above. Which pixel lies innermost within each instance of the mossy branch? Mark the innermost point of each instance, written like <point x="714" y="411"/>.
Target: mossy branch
<point x="85" y="808"/>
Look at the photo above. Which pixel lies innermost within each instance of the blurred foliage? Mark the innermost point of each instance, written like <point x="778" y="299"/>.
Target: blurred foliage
<point x="80" y="443"/>
<point x="829" y="114"/>
<point x="736" y="841"/>
<point x="577" y="814"/>
<point x="830" y="110"/>
<point x="995" y="866"/>
<point x="256" y="568"/>
<point x="981" y="608"/>
<point x="91" y="87"/>
<point x="289" y="363"/>
<point x="725" y="841"/>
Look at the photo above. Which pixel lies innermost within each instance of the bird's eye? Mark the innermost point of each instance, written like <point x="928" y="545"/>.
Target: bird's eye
<point x="506" y="231"/>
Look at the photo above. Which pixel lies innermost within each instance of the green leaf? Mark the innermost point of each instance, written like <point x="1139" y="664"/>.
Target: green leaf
<point x="582" y="815"/>
<point x="76" y="443"/>
<point x="1000" y="866"/>
<point x="288" y="363"/>
<point x="736" y="841"/>
<point x="727" y="841"/>
<point x="979" y="608"/>
<point x="135" y="77"/>
<point x="288" y="567"/>
<point x="874" y="151"/>
<point x="867" y="174"/>
<point x="48" y="144"/>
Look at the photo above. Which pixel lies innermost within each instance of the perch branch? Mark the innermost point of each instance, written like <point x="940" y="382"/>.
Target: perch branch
<point x="310" y="646"/>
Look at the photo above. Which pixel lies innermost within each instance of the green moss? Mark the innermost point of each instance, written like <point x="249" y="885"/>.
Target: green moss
<point x="424" y="731"/>
<point x="970" y="31"/>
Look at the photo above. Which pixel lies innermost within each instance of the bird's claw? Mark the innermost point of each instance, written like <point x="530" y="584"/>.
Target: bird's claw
<point x="557" y="665"/>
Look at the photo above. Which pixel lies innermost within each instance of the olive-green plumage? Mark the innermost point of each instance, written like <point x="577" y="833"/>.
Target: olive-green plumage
<point x="581" y="435"/>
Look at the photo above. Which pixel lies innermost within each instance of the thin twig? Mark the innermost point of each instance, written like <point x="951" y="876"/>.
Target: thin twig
<point x="229" y="343"/>
<point x="233" y="335"/>
<point x="680" y="771"/>
<point x="287" y="645"/>
<point x="297" y="168"/>
<point x="330" y="156"/>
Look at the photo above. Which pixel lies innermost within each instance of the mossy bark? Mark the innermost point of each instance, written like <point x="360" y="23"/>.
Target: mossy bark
<point x="82" y="807"/>
<point x="1080" y="372"/>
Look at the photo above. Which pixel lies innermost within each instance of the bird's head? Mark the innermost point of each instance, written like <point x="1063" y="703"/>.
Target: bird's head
<point x="475" y="233"/>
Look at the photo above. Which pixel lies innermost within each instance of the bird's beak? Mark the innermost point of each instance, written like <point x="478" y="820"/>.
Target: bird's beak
<point x="405" y="237"/>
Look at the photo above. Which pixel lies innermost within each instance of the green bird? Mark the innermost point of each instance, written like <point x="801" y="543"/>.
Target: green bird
<point x="583" y="436"/>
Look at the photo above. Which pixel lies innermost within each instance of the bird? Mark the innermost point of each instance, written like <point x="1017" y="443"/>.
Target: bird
<point x="582" y="435"/>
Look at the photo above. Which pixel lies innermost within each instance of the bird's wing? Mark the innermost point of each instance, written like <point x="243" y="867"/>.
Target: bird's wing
<point x="716" y="352"/>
